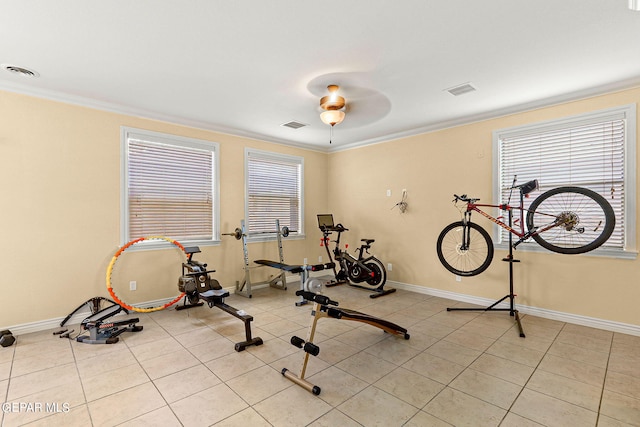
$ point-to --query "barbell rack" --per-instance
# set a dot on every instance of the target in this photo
(243, 288)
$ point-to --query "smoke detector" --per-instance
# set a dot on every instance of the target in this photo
(14, 69)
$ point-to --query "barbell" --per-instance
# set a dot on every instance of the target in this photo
(237, 233)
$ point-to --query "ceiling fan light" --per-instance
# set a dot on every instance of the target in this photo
(332, 117)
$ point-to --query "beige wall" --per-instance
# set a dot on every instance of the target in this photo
(434, 166)
(60, 212)
(60, 218)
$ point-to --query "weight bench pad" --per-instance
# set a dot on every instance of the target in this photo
(280, 266)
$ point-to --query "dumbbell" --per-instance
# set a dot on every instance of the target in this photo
(6, 338)
(309, 347)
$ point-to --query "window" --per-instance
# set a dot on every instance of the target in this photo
(273, 189)
(169, 187)
(595, 150)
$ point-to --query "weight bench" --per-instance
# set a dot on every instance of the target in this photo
(321, 308)
(303, 270)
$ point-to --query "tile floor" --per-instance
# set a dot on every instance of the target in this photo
(464, 368)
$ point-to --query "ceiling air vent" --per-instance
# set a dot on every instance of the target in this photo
(461, 89)
(20, 70)
(294, 124)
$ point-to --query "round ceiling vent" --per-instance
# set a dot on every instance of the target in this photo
(14, 69)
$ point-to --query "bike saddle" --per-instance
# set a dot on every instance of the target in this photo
(368, 241)
(528, 187)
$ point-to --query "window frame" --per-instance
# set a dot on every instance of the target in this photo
(628, 115)
(263, 235)
(171, 140)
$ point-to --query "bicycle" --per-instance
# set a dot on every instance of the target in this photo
(566, 220)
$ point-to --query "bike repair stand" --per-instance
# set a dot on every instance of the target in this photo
(512, 306)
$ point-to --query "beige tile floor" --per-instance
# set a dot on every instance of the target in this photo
(464, 368)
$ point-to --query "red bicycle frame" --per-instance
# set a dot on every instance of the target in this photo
(472, 206)
(522, 234)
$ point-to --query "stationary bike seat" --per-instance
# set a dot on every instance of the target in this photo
(368, 241)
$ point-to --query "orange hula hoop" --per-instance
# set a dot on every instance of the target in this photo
(113, 262)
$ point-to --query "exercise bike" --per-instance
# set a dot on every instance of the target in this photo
(367, 270)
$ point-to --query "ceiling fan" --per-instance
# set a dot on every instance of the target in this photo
(353, 94)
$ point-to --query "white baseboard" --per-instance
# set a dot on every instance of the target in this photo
(608, 325)
(43, 325)
(592, 322)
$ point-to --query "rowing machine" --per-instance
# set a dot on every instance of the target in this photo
(197, 284)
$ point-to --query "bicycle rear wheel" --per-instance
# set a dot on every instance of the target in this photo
(471, 261)
(571, 220)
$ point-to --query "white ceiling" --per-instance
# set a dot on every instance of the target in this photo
(245, 67)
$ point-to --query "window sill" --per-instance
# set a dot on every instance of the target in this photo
(607, 253)
(151, 245)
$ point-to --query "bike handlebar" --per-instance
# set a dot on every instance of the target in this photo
(199, 273)
(464, 198)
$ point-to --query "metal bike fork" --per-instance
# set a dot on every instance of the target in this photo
(466, 231)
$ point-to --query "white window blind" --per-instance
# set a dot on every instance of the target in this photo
(170, 187)
(274, 191)
(589, 151)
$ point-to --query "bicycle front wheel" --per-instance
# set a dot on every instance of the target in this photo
(379, 277)
(465, 260)
(571, 220)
